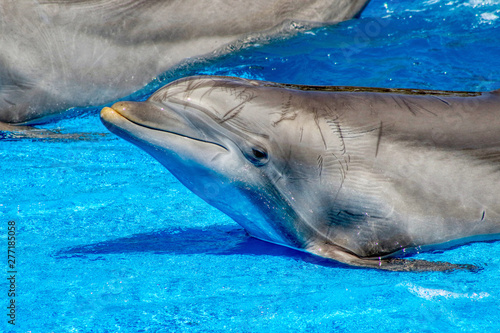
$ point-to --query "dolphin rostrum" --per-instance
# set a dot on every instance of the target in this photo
(358, 175)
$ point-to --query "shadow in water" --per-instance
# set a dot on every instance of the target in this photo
(217, 240)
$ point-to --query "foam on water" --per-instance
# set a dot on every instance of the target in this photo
(109, 241)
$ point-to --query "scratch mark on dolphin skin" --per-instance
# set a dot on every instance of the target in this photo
(442, 100)
(192, 86)
(316, 121)
(320, 165)
(379, 138)
(97, 56)
(21, 83)
(285, 106)
(9, 102)
(286, 167)
(286, 113)
(210, 90)
(482, 218)
(408, 106)
(246, 95)
(210, 115)
(342, 141)
(301, 133)
(338, 130)
(395, 99)
(189, 90)
(343, 172)
(421, 107)
(372, 109)
(348, 106)
(286, 116)
(412, 106)
(232, 112)
(216, 157)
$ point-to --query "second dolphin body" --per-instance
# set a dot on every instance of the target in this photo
(56, 55)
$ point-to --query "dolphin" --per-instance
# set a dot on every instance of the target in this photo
(358, 175)
(58, 54)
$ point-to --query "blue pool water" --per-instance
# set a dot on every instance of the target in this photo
(109, 241)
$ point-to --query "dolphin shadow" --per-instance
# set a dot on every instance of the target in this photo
(217, 240)
(16, 133)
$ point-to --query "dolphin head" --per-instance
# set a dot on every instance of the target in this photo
(242, 146)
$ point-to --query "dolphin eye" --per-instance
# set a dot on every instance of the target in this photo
(259, 153)
(258, 156)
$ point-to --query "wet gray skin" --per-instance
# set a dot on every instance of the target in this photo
(58, 54)
(357, 175)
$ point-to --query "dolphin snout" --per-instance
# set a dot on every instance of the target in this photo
(119, 109)
(125, 106)
(151, 115)
(108, 114)
(141, 113)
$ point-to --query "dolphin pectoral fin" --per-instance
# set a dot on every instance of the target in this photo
(413, 265)
(389, 264)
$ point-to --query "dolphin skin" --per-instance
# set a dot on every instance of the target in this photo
(358, 175)
(59, 54)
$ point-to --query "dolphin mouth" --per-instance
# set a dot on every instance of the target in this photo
(117, 121)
